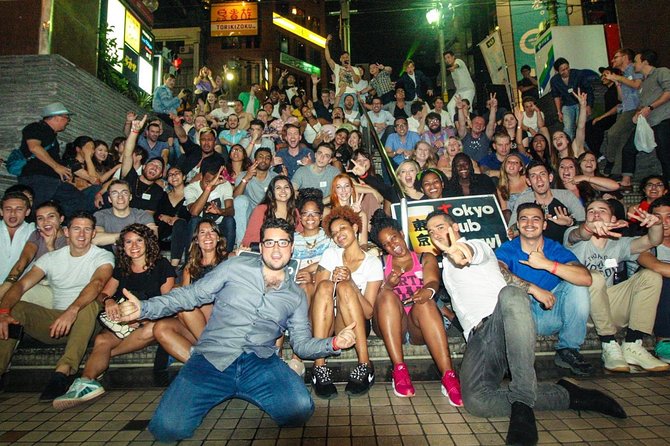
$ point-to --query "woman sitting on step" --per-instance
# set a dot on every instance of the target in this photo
(142, 270)
(405, 311)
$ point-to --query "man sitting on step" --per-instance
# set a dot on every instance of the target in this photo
(76, 273)
(631, 303)
(500, 333)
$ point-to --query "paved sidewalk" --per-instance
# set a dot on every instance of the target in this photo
(380, 418)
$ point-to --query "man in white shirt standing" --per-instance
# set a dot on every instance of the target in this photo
(14, 230)
(465, 88)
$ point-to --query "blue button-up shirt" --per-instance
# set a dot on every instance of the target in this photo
(630, 97)
(164, 101)
(579, 79)
(395, 142)
(246, 318)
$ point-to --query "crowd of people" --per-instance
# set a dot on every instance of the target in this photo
(235, 191)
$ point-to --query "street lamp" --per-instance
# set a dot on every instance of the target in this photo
(434, 18)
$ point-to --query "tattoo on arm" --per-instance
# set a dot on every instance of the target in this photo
(512, 279)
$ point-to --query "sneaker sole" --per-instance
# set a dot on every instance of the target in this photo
(564, 365)
(620, 369)
(660, 368)
(445, 393)
(364, 392)
(398, 394)
(74, 402)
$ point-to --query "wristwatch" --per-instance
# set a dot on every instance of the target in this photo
(651, 107)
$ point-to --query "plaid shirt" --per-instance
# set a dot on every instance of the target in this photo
(382, 83)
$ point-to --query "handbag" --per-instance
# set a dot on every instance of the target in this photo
(644, 136)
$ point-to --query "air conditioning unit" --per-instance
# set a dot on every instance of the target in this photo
(185, 49)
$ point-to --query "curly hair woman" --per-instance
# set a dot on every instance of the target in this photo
(405, 309)
(347, 283)
(141, 270)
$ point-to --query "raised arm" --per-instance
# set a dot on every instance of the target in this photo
(580, 134)
(136, 128)
(331, 62)
(493, 108)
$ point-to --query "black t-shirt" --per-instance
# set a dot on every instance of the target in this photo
(145, 196)
(42, 132)
(527, 83)
(555, 231)
(146, 284)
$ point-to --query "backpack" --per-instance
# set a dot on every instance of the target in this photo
(16, 160)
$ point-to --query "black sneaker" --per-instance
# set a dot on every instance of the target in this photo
(322, 382)
(361, 378)
(569, 358)
(57, 386)
(522, 427)
(590, 399)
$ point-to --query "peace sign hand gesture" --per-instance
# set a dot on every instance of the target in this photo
(358, 168)
(356, 206)
(459, 253)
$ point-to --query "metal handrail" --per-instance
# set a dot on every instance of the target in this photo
(386, 161)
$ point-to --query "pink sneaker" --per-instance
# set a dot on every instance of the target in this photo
(402, 383)
(451, 388)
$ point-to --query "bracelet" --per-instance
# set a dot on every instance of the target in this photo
(431, 289)
(4, 310)
(106, 299)
(245, 181)
(586, 228)
(364, 176)
(135, 131)
(554, 268)
(11, 279)
(335, 347)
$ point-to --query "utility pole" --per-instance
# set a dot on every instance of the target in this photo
(552, 9)
(345, 26)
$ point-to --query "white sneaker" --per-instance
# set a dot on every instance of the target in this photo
(636, 354)
(613, 359)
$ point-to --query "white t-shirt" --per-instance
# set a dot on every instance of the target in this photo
(447, 121)
(531, 122)
(370, 269)
(68, 275)
(474, 289)
(352, 116)
(663, 253)
(344, 80)
(461, 77)
(413, 124)
(11, 248)
(223, 192)
(221, 115)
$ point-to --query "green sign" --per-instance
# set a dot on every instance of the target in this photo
(298, 64)
(526, 20)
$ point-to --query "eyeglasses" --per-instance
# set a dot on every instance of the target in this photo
(270, 243)
(174, 174)
(310, 214)
(123, 193)
(655, 185)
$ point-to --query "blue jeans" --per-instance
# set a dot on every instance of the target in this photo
(243, 208)
(570, 115)
(267, 383)
(47, 188)
(506, 342)
(568, 317)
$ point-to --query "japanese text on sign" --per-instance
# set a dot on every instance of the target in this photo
(234, 19)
